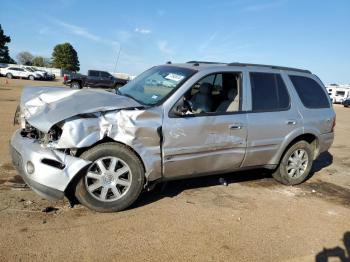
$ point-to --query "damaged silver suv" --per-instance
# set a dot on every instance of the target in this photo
(173, 121)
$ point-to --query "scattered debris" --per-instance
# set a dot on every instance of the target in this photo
(189, 202)
(222, 181)
(49, 209)
(313, 191)
(19, 186)
(44, 221)
(238, 219)
(21, 200)
(27, 203)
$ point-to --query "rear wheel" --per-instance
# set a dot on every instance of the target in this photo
(9, 75)
(295, 165)
(31, 77)
(113, 181)
(75, 85)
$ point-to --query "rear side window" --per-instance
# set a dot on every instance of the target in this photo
(269, 93)
(94, 73)
(105, 74)
(310, 92)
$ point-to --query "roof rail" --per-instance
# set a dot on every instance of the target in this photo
(271, 66)
(203, 62)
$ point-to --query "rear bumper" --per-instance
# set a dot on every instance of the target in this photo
(326, 141)
(53, 170)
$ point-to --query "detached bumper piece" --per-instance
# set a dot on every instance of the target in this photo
(47, 171)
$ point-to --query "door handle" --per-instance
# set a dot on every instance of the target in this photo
(291, 122)
(236, 126)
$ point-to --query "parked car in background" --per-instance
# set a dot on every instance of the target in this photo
(2, 70)
(340, 95)
(43, 75)
(346, 102)
(213, 120)
(18, 72)
(48, 75)
(94, 79)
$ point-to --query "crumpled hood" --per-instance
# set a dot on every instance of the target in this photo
(43, 107)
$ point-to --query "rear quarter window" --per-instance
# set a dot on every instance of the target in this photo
(310, 92)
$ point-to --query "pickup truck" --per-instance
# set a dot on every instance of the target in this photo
(95, 78)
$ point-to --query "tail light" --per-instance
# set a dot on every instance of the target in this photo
(65, 77)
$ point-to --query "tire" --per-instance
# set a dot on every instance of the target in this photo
(9, 76)
(32, 78)
(290, 178)
(75, 85)
(108, 181)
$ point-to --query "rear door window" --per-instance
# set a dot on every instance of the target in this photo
(94, 73)
(310, 92)
(269, 93)
(105, 75)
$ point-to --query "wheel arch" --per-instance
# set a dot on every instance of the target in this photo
(309, 137)
(69, 191)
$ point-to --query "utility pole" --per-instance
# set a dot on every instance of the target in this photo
(116, 63)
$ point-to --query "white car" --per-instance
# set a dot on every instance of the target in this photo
(17, 72)
(42, 74)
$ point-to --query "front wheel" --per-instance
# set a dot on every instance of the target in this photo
(295, 164)
(31, 77)
(113, 181)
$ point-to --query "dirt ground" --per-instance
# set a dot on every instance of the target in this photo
(251, 219)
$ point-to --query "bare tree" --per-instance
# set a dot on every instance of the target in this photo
(25, 58)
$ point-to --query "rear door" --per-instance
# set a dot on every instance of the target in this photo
(93, 78)
(272, 119)
(106, 80)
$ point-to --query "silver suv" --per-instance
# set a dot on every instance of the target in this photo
(173, 121)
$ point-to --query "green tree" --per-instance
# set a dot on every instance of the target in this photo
(25, 58)
(38, 61)
(64, 56)
(4, 50)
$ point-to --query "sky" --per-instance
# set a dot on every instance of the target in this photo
(309, 34)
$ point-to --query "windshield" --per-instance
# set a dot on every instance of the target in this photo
(29, 69)
(153, 85)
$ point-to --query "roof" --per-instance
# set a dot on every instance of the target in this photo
(206, 64)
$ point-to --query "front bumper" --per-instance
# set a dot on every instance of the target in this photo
(53, 170)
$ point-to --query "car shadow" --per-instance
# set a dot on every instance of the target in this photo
(329, 254)
(325, 159)
(175, 187)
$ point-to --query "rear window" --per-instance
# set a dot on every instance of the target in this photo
(269, 93)
(310, 92)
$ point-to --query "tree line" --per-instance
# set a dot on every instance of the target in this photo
(64, 56)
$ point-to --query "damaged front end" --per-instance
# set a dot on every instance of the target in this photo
(57, 124)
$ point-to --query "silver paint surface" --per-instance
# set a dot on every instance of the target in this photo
(169, 147)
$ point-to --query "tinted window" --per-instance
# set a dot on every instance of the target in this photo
(269, 93)
(310, 92)
(94, 73)
(105, 74)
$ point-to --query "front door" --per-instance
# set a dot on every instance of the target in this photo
(211, 136)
